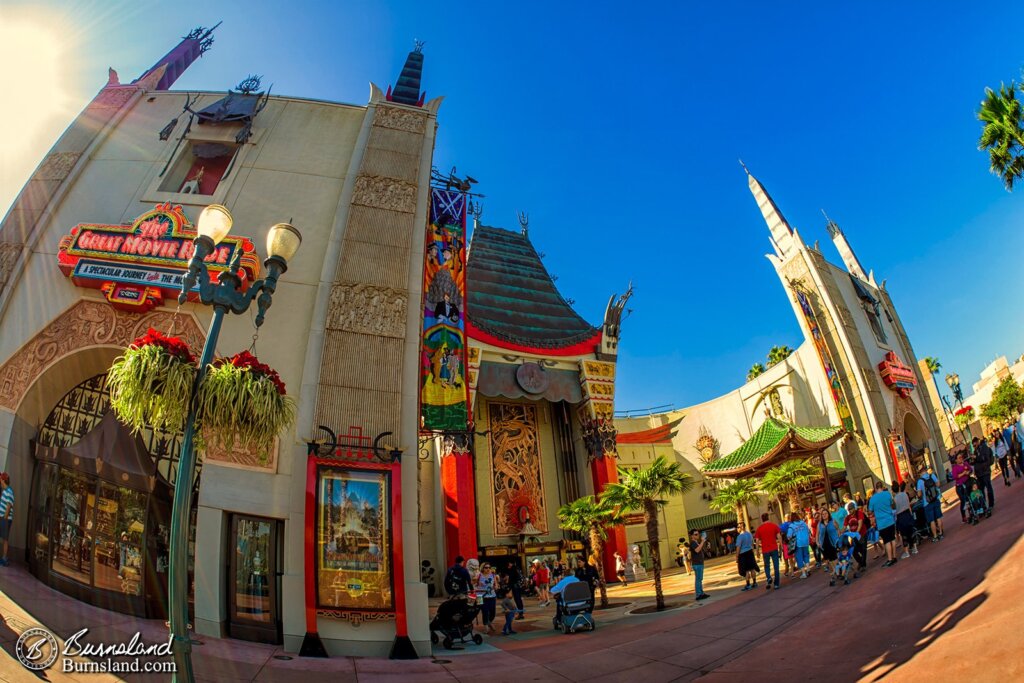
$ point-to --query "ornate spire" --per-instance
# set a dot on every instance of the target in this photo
(846, 252)
(781, 233)
(407, 89)
(191, 48)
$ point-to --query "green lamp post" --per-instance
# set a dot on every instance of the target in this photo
(213, 225)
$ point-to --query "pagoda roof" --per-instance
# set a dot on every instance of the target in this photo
(513, 303)
(774, 442)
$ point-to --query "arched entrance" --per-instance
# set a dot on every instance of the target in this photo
(99, 506)
(915, 438)
(909, 441)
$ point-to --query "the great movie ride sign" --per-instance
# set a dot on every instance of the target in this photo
(137, 266)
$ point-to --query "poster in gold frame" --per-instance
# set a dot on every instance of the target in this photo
(353, 553)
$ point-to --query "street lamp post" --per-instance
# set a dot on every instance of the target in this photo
(213, 225)
(953, 380)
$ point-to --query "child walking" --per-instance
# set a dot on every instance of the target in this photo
(508, 606)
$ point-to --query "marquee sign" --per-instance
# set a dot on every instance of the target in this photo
(136, 266)
(896, 375)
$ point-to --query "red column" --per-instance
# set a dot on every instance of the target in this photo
(459, 506)
(605, 471)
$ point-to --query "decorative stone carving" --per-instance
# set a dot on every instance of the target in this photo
(113, 97)
(368, 309)
(239, 457)
(385, 193)
(400, 119)
(9, 252)
(87, 323)
(57, 166)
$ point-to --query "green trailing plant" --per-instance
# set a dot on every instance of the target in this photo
(151, 381)
(243, 403)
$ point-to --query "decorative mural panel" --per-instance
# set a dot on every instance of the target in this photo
(443, 388)
(826, 360)
(518, 490)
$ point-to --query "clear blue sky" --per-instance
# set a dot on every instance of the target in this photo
(618, 128)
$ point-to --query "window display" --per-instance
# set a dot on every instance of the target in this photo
(353, 557)
(252, 560)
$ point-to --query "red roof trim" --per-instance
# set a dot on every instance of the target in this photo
(580, 349)
(659, 434)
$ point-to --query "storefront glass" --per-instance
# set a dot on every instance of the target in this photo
(252, 558)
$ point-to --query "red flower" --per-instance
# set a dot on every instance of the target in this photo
(964, 411)
(247, 361)
(174, 346)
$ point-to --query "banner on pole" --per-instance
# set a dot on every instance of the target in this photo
(443, 386)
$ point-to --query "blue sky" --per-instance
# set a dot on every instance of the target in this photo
(618, 128)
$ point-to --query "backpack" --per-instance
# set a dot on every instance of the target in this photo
(931, 490)
(454, 582)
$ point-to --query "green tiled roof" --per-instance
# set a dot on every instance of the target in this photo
(710, 521)
(512, 296)
(770, 439)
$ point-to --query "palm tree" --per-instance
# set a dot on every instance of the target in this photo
(755, 370)
(933, 364)
(1003, 133)
(592, 516)
(645, 489)
(787, 479)
(778, 354)
(735, 497)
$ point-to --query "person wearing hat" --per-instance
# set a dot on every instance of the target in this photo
(6, 513)
(543, 578)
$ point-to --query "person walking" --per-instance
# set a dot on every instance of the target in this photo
(769, 537)
(620, 569)
(509, 609)
(746, 563)
(800, 533)
(542, 577)
(961, 476)
(904, 519)
(1002, 453)
(881, 508)
(457, 580)
(515, 585)
(698, 544)
(6, 514)
(828, 542)
(486, 587)
(931, 497)
(788, 548)
(983, 469)
(857, 523)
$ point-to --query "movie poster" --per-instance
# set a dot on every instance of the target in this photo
(353, 558)
(826, 361)
(443, 387)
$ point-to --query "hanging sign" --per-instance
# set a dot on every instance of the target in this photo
(896, 375)
(443, 387)
(137, 266)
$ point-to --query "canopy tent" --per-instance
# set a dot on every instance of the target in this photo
(773, 443)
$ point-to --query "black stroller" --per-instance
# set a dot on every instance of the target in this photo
(454, 619)
(574, 608)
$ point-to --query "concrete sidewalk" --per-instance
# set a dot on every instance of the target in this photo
(900, 622)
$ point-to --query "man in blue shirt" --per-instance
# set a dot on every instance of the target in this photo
(881, 507)
(6, 513)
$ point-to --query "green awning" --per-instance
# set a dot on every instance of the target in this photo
(774, 442)
(710, 521)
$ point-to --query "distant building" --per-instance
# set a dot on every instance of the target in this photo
(855, 370)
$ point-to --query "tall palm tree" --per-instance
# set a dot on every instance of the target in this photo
(592, 516)
(933, 364)
(735, 497)
(1003, 132)
(646, 489)
(755, 370)
(778, 354)
(787, 479)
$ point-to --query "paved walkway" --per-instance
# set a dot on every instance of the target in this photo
(952, 611)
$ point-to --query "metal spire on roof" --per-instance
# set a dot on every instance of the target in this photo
(191, 48)
(407, 89)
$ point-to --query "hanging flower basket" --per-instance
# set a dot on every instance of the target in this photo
(150, 382)
(243, 403)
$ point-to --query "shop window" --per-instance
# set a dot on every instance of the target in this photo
(199, 168)
(42, 512)
(72, 556)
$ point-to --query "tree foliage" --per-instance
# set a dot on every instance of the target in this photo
(777, 354)
(1007, 401)
(593, 517)
(645, 490)
(756, 370)
(735, 497)
(1002, 134)
(933, 364)
(787, 479)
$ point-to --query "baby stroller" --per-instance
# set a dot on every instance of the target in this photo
(454, 619)
(976, 505)
(574, 608)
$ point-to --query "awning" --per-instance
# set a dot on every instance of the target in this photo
(773, 443)
(710, 521)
